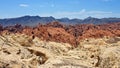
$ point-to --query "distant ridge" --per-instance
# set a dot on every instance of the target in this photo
(34, 20)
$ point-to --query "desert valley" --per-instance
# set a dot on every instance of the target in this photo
(56, 45)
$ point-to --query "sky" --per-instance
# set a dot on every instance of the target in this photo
(60, 8)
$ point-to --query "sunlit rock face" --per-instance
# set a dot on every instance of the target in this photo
(55, 45)
(62, 33)
(24, 51)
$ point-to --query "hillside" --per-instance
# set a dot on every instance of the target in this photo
(34, 20)
(55, 45)
(22, 51)
(72, 34)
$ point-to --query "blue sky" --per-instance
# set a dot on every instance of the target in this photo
(60, 8)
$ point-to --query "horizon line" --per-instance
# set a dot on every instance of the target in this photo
(55, 17)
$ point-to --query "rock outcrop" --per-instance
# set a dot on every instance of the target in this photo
(22, 51)
(71, 34)
(55, 45)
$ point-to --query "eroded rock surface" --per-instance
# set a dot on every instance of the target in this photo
(55, 45)
(61, 33)
(22, 51)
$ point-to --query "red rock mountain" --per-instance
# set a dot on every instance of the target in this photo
(65, 33)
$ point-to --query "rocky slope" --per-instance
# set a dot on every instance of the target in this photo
(22, 51)
(71, 34)
(55, 45)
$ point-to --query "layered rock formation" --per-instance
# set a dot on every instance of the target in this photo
(71, 34)
(55, 45)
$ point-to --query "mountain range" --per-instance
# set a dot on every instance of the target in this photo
(34, 20)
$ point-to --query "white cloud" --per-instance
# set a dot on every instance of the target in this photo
(52, 5)
(23, 5)
(98, 12)
(83, 11)
(81, 14)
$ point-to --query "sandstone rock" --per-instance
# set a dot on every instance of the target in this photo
(90, 53)
(71, 34)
